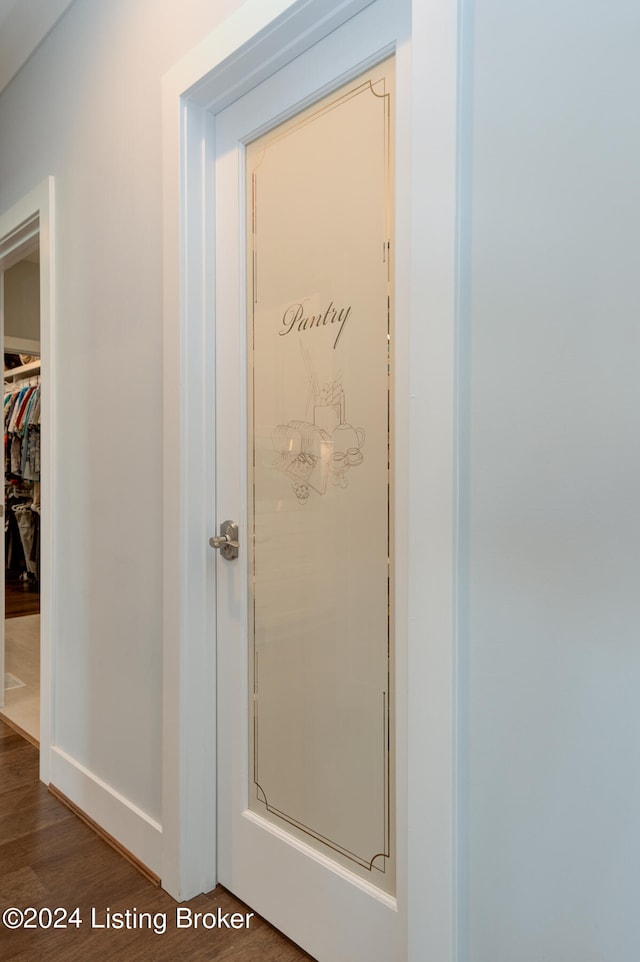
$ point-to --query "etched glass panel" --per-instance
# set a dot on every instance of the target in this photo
(319, 275)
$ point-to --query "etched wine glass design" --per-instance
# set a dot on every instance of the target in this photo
(311, 453)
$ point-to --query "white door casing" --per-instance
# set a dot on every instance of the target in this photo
(247, 48)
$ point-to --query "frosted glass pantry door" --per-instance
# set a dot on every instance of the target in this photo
(304, 323)
(318, 196)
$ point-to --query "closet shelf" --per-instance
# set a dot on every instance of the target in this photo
(25, 370)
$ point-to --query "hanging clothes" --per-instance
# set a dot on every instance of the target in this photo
(22, 405)
(22, 432)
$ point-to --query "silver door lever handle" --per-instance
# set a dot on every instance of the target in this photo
(227, 541)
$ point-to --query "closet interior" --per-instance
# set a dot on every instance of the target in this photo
(22, 510)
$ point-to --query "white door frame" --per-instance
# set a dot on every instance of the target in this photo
(259, 38)
(31, 218)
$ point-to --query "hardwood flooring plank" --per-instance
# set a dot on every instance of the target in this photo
(18, 767)
(93, 871)
(44, 846)
(9, 742)
(10, 739)
(29, 819)
(22, 888)
(29, 796)
(5, 731)
(268, 946)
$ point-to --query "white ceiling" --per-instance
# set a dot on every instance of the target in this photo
(23, 26)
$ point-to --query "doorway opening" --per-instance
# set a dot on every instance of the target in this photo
(26, 242)
(22, 502)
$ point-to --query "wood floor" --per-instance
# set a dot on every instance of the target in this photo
(20, 598)
(50, 859)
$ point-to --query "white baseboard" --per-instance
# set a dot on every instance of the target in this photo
(120, 818)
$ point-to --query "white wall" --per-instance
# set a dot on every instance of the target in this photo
(87, 109)
(22, 301)
(553, 735)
